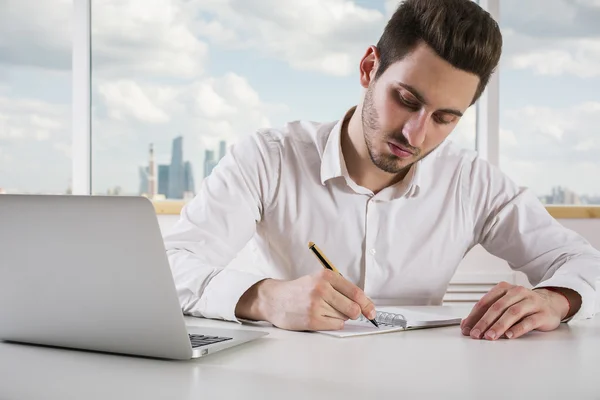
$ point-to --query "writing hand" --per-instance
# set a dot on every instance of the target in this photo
(321, 301)
(513, 311)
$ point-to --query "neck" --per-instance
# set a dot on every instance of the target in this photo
(360, 167)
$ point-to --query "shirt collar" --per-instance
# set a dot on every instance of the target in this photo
(332, 162)
(334, 166)
(415, 183)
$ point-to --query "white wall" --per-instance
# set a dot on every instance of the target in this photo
(479, 266)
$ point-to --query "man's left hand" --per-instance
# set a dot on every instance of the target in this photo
(513, 311)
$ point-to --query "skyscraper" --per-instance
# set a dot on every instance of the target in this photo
(222, 149)
(188, 174)
(173, 181)
(143, 171)
(163, 180)
(176, 172)
(152, 187)
(209, 162)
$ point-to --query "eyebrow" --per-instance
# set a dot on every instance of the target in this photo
(422, 100)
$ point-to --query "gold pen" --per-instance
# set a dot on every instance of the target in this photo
(327, 264)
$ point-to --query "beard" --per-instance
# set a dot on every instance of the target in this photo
(372, 133)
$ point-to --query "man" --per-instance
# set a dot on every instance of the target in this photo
(392, 203)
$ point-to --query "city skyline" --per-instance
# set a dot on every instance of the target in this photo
(193, 71)
(175, 180)
(167, 181)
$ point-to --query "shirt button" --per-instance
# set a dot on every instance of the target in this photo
(372, 251)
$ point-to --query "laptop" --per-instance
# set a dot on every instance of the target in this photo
(91, 273)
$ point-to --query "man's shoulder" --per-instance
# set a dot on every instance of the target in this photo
(468, 166)
(457, 160)
(303, 133)
(451, 156)
(450, 150)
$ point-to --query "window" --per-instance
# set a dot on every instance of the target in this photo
(549, 102)
(175, 83)
(35, 96)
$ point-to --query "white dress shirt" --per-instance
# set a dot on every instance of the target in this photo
(278, 189)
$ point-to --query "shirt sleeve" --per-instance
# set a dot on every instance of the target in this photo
(217, 224)
(512, 223)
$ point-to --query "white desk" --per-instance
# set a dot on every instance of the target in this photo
(425, 364)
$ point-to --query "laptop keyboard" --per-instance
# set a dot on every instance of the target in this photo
(201, 340)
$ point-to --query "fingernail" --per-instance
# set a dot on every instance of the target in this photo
(466, 331)
(509, 334)
(491, 334)
(372, 314)
(475, 333)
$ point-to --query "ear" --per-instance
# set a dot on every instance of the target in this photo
(368, 66)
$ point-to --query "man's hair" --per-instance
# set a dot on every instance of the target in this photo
(459, 31)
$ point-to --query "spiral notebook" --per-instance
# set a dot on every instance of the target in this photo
(392, 319)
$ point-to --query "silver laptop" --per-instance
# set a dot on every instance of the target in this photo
(91, 272)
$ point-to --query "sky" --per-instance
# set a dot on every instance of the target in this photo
(211, 70)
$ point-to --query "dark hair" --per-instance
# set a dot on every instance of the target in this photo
(459, 31)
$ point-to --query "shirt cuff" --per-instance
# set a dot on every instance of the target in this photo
(224, 291)
(582, 287)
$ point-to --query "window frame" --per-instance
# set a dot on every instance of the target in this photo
(81, 156)
(487, 130)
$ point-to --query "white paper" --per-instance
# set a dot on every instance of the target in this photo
(358, 328)
(415, 319)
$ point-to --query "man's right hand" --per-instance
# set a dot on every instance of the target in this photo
(321, 301)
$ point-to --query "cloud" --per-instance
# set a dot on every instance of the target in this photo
(36, 33)
(545, 147)
(553, 57)
(204, 112)
(555, 128)
(391, 6)
(327, 36)
(35, 137)
(125, 99)
(32, 119)
(556, 19)
(226, 98)
(150, 37)
(218, 33)
(552, 37)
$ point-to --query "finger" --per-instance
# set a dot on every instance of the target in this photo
(329, 311)
(528, 324)
(342, 304)
(481, 307)
(355, 294)
(495, 311)
(510, 317)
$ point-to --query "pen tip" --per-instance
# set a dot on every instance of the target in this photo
(310, 244)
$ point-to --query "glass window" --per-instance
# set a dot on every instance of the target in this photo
(549, 102)
(175, 83)
(35, 96)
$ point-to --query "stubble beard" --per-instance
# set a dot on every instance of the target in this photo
(387, 162)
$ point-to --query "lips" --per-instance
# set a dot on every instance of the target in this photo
(399, 151)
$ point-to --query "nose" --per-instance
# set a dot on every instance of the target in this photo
(415, 129)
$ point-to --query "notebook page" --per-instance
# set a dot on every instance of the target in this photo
(358, 328)
(416, 319)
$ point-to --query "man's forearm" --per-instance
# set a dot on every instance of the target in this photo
(253, 303)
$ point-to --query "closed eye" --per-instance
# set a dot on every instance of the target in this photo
(410, 104)
(444, 118)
